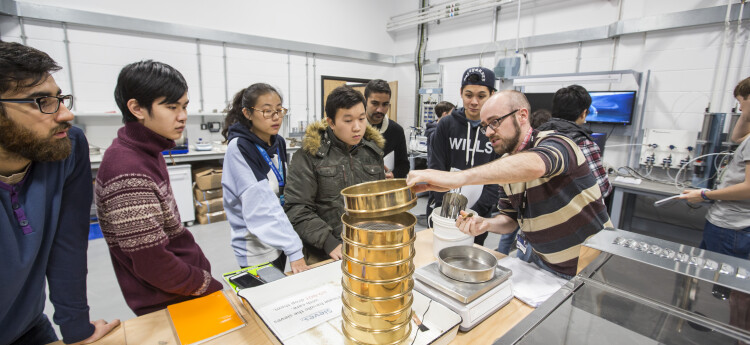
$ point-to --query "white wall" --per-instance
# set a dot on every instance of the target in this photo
(97, 56)
(339, 23)
(683, 62)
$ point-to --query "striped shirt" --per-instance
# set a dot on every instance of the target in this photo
(561, 209)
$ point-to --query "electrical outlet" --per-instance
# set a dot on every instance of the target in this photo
(204, 126)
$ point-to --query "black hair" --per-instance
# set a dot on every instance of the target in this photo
(23, 67)
(569, 102)
(145, 81)
(442, 107)
(342, 97)
(377, 86)
(539, 117)
(245, 98)
(742, 88)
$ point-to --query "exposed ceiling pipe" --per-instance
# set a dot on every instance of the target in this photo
(740, 36)
(518, 26)
(494, 24)
(418, 63)
(307, 90)
(446, 10)
(720, 59)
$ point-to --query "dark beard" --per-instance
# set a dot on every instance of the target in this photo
(22, 142)
(382, 118)
(506, 146)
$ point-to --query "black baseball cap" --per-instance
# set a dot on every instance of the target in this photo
(485, 77)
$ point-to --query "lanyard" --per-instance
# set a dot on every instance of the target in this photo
(279, 174)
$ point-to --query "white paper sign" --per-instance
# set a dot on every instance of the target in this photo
(300, 312)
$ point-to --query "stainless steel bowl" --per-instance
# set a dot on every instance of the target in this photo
(378, 198)
(467, 264)
(388, 230)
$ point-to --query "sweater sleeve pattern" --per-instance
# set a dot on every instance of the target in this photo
(132, 212)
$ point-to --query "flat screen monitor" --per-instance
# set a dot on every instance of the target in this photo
(540, 101)
(615, 107)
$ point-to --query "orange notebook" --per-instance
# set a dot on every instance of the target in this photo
(202, 319)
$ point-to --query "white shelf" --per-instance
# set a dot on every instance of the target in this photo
(119, 116)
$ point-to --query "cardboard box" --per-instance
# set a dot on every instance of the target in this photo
(209, 218)
(207, 178)
(203, 195)
(209, 206)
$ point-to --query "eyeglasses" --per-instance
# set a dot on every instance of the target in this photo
(494, 124)
(46, 104)
(268, 113)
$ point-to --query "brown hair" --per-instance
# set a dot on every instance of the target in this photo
(743, 88)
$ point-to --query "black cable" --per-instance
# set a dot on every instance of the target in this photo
(610, 133)
(422, 319)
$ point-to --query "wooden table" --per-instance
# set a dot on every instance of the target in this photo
(155, 328)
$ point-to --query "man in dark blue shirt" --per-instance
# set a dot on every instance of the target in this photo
(45, 197)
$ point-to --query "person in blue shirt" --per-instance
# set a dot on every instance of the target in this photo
(45, 198)
(254, 177)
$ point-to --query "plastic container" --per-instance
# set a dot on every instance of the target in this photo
(439, 242)
(444, 226)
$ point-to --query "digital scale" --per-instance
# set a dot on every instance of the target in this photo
(474, 302)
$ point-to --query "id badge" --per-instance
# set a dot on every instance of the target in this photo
(521, 243)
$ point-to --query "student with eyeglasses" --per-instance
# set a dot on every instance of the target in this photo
(254, 178)
(546, 185)
(45, 199)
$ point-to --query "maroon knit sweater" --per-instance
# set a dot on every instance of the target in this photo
(155, 258)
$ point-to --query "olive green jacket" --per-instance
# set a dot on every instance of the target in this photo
(317, 174)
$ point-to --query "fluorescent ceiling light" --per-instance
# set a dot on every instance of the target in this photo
(567, 79)
(441, 11)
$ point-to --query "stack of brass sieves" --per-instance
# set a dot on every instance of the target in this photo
(378, 250)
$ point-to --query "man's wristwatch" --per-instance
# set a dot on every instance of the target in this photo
(703, 194)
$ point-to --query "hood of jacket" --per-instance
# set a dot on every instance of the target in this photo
(430, 128)
(459, 116)
(569, 128)
(317, 131)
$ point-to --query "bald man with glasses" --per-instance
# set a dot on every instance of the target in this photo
(546, 185)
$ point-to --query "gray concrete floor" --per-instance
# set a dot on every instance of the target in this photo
(104, 295)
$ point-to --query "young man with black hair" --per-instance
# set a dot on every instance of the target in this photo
(155, 258)
(45, 195)
(377, 103)
(337, 152)
(570, 106)
(458, 145)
